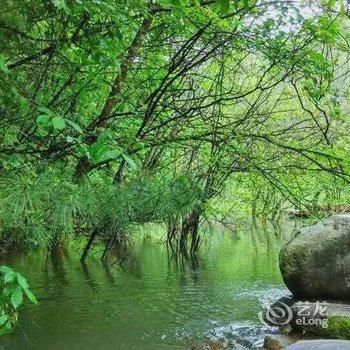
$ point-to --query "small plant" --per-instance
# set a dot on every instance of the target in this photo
(13, 287)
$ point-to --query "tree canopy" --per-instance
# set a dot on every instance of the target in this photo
(121, 112)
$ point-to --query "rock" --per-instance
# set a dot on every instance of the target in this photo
(320, 344)
(277, 342)
(323, 319)
(219, 344)
(316, 262)
(216, 344)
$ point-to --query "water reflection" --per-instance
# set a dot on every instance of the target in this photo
(149, 301)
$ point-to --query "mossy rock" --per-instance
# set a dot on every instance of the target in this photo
(326, 319)
(337, 327)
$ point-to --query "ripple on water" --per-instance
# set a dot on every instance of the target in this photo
(262, 293)
(249, 333)
(245, 333)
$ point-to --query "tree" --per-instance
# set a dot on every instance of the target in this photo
(106, 98)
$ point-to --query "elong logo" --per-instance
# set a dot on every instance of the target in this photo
(302, 313)
(280, 315)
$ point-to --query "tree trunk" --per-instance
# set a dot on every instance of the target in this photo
(100, 122)
(190, 227)
(88, 245)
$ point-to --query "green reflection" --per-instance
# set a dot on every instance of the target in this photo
(148, 302)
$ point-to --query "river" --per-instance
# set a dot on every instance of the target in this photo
(149, 302)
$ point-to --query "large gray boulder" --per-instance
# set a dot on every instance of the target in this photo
(316, 262)
(320, 344)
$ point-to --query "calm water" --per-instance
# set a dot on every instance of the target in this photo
(149, 302)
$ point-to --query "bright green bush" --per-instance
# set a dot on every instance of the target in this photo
(13, 287)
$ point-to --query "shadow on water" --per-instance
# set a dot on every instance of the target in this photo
(150, 300)
(56, 262)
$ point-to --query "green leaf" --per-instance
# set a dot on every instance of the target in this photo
(7, 328)
(22, 281)
(31, 296)
(97, 152)
(58, 123)
(61, 5)
(9, 277)
(224, 5)
(11, 135)
(44, 110)
(111, 154)
(5, 269)
(8, 290)
(3, 66)
(3, 319)
(83, 150)
(42, 119)
(17, 297)
(328, 3)
(74, 125)
(130, 161)
(69, 139)
(342, 10)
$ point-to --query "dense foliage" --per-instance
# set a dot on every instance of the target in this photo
(124, 112)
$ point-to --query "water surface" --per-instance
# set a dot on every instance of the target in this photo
(148, 302)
